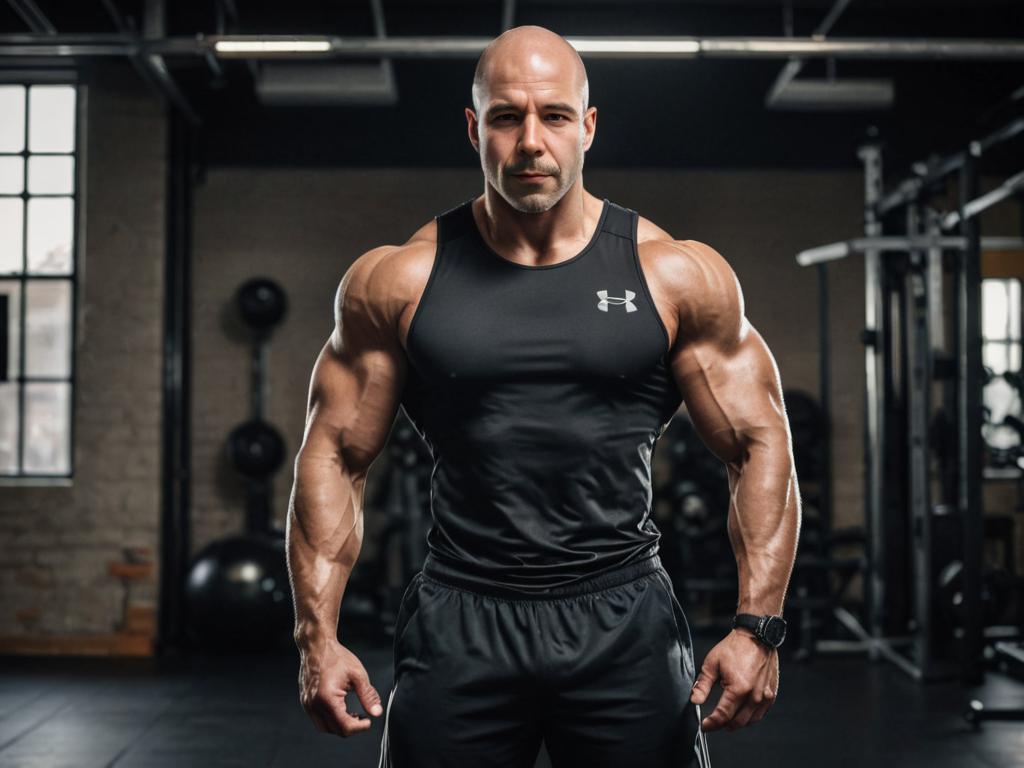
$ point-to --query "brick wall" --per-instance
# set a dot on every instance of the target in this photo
(57, 542)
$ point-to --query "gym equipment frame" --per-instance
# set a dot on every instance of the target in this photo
(906, 351)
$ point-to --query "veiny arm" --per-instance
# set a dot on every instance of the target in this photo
(731, 387)
(733, 394)
(353, 398)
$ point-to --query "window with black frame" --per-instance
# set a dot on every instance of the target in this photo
(1001, 344)
(38, 206)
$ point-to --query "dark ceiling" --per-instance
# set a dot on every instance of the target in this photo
(680, 113)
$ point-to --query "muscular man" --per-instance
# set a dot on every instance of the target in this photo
(540, 339)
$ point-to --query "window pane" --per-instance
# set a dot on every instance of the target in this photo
(993, 309)
(995, 356)
(49, 235)
(48, 328)
(11, 235)
(1000, 308)
(50, 175)
(12, 175)
(1013, 305)
(47, 418)
(12, 118)
(51, 118)
(8, 427)
(10, 294)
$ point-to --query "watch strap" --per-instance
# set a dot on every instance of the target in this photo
(755, 624)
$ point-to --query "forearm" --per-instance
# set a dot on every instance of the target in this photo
(764, 524)
(325, 534)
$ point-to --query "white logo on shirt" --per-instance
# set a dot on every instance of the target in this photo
(605, 300)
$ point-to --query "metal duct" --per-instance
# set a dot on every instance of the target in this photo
(977, 49)
(810, 94)
(290, 83)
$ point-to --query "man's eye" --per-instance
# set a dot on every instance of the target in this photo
(559, 116)
(501, 117)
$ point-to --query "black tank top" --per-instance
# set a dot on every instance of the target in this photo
(541, 392)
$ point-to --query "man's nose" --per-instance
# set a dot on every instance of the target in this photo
(530, 138)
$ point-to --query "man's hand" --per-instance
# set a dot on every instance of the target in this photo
(749, 672)
(328, 670)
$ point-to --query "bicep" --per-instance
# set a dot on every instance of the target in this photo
(356, 386)
(732, 392)
(722, 366)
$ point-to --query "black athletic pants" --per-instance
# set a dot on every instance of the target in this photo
(601, 671)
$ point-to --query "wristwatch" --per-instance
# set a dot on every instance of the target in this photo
(770, 630)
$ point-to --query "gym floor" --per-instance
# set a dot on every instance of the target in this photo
(238, 711)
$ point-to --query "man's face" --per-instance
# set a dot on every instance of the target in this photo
(530, 127)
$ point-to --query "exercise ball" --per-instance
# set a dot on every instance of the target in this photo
(261, 302)
(238, 597)
(255, 448)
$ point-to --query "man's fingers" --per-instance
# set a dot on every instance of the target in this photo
(318, 721)
(705, 682)
(745, 713)
(338, 719)
(752, 711)
(310, 706)
(367, 694)
(764, 706)
(760, 712)
(727, 707)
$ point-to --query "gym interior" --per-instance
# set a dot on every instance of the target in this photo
(182, 187)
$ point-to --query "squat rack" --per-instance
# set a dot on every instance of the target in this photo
(905, 352)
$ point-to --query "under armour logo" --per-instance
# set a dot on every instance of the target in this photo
(605, 300)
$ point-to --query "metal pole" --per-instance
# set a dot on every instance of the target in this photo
(427, 47)
(969, 426)
(936, 170)
(874, 401)
(31, 14)
(177, 378)
(979, 205)
(844, 248)
(919, 367)
(794, 65)
(825, 387)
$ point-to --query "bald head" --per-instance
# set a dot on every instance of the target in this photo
(529, 54)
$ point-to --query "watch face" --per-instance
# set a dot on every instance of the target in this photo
(775, 631)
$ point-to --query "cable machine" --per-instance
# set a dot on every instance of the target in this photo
(922, 346)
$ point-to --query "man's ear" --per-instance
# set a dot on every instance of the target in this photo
(472, 129)
(589, 127)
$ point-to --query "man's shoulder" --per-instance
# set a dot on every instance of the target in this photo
(388, 272)
(409, 264)
(678, 263)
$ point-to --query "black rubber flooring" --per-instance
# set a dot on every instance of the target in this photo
(243, 711)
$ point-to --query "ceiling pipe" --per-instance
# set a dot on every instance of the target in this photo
(319, 47)
(793, 66)
(788, 92)
(151, 67)
(33, 16)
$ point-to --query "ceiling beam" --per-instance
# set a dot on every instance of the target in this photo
(317, 47)
(33, 16)
(150, 66)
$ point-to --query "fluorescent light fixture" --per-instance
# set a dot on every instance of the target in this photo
(685, 47)
(272, 46)
(818, 94)
(304, 82)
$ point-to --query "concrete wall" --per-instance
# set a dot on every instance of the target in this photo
(56, 542)
(304, 228)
